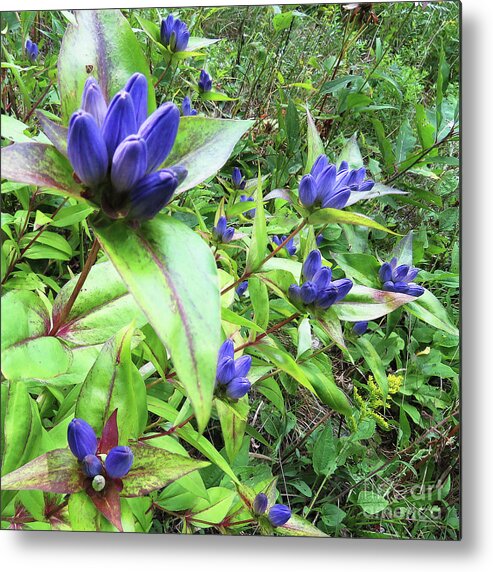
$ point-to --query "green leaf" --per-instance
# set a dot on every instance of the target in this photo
(259, 297)
(378, 190)
(104, 41)
(322, 380)
(40, 165)
(331, 216)
(214, 509)
(232, 428)
(215, 95)
(282, 21)
(430, 310)
(153, 468)
(173, 276)
(114, 382)
(405, 143)
(57, 471)
(292, 127)
(426, 131)
(325, 452)
(56, 133)
(231, 317)
(258, 244)
(298, 526)
(362, 268)
(374, 362)
(364, 304)
(351, 153)
(203, 145)
(315, 144)
(384, 145)
(371, 503)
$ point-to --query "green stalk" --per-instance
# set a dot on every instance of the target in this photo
(20, 83)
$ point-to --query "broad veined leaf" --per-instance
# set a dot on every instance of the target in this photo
(429, 309)
(101, 44)
(374, 362)
(331, 216)
(172, 274)
(232, 427)
(57, 471)
(351, 153)
(101, 309)
(203, 145)
(364, 303)
(363, 268)
(298, 526)
(55, 132)
(214, 509)
(154, 468)
(315, 144)
(41, 165)
(378, 190)
(258, 243)
(114, 382)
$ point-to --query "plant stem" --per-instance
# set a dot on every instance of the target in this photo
(277, 326)
(91, 259)
(169, 431)
(163, 73)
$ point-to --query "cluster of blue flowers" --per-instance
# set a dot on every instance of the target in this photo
(278, 514)
(289, 246)
(238, 179)
(327, 186)
(231, 374)
(174, 34)
(205, 82)
(116, 149)
(186, 107)
(360, 328)
(221, 232)
(32, 50)
(400, 278)
(83, 443)
(318, 292)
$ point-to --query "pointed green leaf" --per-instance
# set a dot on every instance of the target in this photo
(55, 132)
(315, 144)
(298, 526)
(258, 244)
(374, 362)
(232, 428)
(351, 153)
(364, 303)
(331, 216)
(173, 276)
(429, 309)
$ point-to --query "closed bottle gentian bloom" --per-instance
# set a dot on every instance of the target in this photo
(279, 514)
(242, 288)
(319, 239)
(174, 34)
(92, 466)
(186, 107)
(116, 150)
(221, 232)
(399, 278)
(328, 186)
(81, 438)
(260, 503)
(32, 50)
(205, 82)
(318, 291)
(360, 328)
(119, 461)
(289, 246)
(245, 199)
(238, 179)
(231, 373)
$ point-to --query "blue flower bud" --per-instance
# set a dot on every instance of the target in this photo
(159, 132)
(400, 287)
(118, 462)
(227, 349)
(308, 191)
(242, 288)
(337, 200)
(32, 50)
(326, 182)
(228, 234)
(279, 514)
(166, 29)
(319, 239)
(86, 149)
(180, 173)
(385, 272)
(242, 366)
(360, 328)
(129, 163)
(344, 166)
(294, 294)
(322, 277)
(415, 290)
(225, 370)
(411, 275)
(343, 286)
(400, 273)
(178, 40)
(388, 286)
(238, 387)
(222, 232)
(237, 178)
(260, 503)
(326, 297)
(81, 438)
(93, 101)
(309, 292)
(151, 194)
(289, 246)
(119, 122)
(186, 107)
(205, 82)
(276, 240)
(91, 466)
(321, 163)
(312, 264)
(137, 88)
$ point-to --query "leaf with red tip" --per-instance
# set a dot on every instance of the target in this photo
(108, 503)
(57, 471)
(109, 437)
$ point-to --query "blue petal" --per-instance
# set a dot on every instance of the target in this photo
(93, 101)
(309, 293)
(308, 191)
(400, 273)
(279, 514)
(119, 122)
(385, 272)
(337, 200)
(159, 131)
(360, 328)
(137, 88)
(294, 294)
(81, 438)
(326, 297)
(118, 462)
(322, 277)
(227, 349)
(415, 290)
(343, 286)
(225, 370)
(321, 163)
(238, 387)
(129, 163)
(312, 264)
(152, 193)
(242, 366)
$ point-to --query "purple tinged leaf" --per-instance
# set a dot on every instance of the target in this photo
(109, 435)
(159, 132)
(56, 133)
(108, 503)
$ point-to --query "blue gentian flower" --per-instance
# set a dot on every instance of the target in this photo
(232, 374)
(174, 34)
(81, 438)
(328, 186)
(221, 232)
(245, 199)
(318, 291)
(32, 50)
(242, 288)
(117, 150)
(319, 239)
(260, 503)
(360, 328)
(92, 466)
(289, 246)
(400, 278)
(118, 462)
(186, 107)
(238, 179)
(279, 514)
(205, 82)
